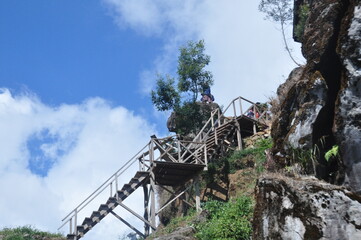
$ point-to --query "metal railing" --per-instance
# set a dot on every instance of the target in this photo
(231, 112)
(168, 149)
(111, 183)
(157, 149)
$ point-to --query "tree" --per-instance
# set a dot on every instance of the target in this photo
(180, 96)
(279, 11)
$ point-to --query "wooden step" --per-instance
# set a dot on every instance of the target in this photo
(87, 223)
(95, 217)
(111, 203)
(71, 237)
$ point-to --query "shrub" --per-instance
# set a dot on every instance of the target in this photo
(228, 221)
(257, 154)
(303, 13)
(26, 233)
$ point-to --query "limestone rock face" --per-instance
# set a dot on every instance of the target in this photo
(321, 105)
(348, 109)
(305, 209)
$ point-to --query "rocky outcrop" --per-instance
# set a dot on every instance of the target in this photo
(305, 208)
(321, 105)
(348, 108)
(182, 233)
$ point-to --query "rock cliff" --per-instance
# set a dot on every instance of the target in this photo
(321, 102)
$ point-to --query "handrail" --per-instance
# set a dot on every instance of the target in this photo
(100, 189)
(216, 113)
(152, 145)
(164, 145)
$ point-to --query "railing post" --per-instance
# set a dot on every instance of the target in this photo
(212, 121)
(116, 187)
(71, 225)
(76, 221)
(240, 106)
(234, 110)
(111, 188)
(179, 151)
(143, 159)
(219, 117)
(151, 153)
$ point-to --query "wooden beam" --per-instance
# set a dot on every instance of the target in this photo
(164, 206)
(128, 224)
(136, 214)
(174, 194)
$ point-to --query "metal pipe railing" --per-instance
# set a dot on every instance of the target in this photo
(180, 148)
(108, 183)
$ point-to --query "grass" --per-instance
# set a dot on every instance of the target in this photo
(27, 233)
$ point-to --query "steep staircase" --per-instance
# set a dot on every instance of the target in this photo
(138, 180)
(170, 162)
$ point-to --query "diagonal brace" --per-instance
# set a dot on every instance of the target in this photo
(136, 215)
(128, 224)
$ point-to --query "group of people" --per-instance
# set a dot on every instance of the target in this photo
(255, 112)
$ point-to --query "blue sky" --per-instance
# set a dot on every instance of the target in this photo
(75, 77)
(67, 51)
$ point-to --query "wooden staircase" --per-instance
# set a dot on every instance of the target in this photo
(138, 180)
(169, 162)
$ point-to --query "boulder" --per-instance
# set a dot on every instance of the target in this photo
(305, 208)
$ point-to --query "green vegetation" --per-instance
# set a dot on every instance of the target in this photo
(180, 96)
(228, 220)
(27, 233)
(303, 13)
(333, 152)
(257, 154)
(240, 159)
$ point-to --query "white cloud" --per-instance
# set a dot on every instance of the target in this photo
(247, 53)
(102, 137)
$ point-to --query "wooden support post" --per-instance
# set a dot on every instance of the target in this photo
(239, 137)
(205, 157)
(152, 199)
(146, 210)
(197, 192)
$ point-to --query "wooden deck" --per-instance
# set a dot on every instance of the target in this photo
(173, 174)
